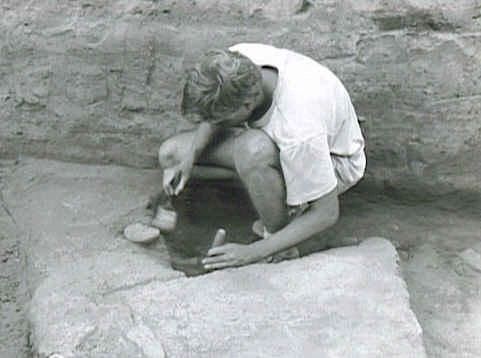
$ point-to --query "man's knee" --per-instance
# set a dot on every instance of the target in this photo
(171, 150)
(255, 150)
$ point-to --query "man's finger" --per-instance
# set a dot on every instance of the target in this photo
(168, 189)
(181, 185)
(218, 250)
(167, 180)
(213, 259)
(219, 265)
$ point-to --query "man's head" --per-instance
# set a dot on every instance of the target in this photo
(223, 88)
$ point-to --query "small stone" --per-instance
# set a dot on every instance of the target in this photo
(141, 233)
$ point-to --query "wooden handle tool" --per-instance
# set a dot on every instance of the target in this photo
(219, 238)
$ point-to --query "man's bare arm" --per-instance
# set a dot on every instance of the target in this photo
(182, 171)
(203, 135)
(322, 214)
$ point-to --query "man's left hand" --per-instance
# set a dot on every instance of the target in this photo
(230, 255)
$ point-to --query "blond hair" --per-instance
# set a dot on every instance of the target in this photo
(218, 85)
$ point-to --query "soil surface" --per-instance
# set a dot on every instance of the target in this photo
(439, 243)
(438, 239)
(13, 295)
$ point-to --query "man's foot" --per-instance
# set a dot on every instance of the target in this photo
(292, 253)
(342, 241)
(289, 254)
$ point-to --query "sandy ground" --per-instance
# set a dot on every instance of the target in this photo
(439, 243)
(13, 327)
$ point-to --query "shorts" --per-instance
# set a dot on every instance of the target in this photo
(348, 170)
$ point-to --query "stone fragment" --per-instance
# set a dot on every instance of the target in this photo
(348, 302)
(73, 312)
(141, 233)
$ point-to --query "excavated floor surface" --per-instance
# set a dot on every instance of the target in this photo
(438, 242)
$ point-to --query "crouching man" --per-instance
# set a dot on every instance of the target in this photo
(285, 125)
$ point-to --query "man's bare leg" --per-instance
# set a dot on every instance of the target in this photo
(257, 164)
(239, 153)
(216, 162)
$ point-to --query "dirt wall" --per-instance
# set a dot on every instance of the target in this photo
(98, 81)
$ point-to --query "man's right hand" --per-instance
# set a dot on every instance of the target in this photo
(175, 178)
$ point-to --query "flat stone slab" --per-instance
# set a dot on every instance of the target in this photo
(348, 302)
(96, 295)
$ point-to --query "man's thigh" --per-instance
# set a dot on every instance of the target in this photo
(232, 144)
(254, 149)
(227, 148)
(218, 153)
